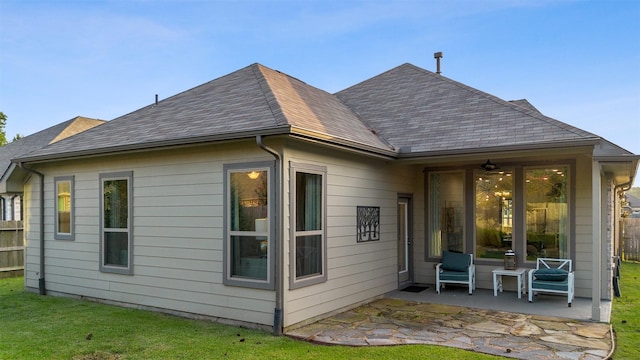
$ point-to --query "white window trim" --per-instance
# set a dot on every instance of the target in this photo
(295, 282)
(228, 279)
(71, 234)
(125, 175)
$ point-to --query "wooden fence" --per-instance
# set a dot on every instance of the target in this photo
(11, 249)
(631, 239)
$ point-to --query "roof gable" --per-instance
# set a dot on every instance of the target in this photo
(35, 142)
(422, 112)
(41, 139)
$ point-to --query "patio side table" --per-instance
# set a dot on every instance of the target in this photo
(498, 273)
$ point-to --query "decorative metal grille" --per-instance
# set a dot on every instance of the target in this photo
(368, 223)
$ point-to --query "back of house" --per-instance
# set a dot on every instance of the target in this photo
(257, 199)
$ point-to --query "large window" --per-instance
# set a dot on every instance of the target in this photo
(494, 213)
(446, 212)
(249, 246)
(308, 247)
(64, 208)
(524, 208)
(547, 218)
(116, 222)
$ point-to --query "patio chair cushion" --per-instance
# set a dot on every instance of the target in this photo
(455, 261)
(553, 285)
(551, 274)
(454, 276)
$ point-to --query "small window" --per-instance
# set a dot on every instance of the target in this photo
(308, 246)
(116, 222)
(64, 207)
(248, 225)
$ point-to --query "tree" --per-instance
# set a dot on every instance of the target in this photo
(3, 123)
(3, 135)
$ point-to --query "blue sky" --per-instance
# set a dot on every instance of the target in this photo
(576, 61)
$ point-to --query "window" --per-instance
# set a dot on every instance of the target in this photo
(64, 207)
(248, 225)
(116, 222)
(446, 212)
(525, 208)
(308, 246)
(547, 218)
(494, 213)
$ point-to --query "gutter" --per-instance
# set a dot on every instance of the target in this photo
(152, 145)
(278, 257)
(41, 283)
(407, 154)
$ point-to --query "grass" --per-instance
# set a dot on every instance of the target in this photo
(625, 315)
(47, 327)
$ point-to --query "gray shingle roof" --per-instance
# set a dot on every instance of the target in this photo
(413, 107)
(41, 139)
(525, 104)
(249, 101)
(407, 111)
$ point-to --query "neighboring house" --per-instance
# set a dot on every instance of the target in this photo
(258, 199)
(632, 206)
(11, 194)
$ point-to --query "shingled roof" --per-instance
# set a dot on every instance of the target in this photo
(404, 112)
(423, 112)
(41, 139)
(251, 101)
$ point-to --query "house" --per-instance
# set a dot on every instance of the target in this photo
(632, 205)
(258, 199)
(10, 193)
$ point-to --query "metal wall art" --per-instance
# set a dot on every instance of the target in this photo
(368, 223)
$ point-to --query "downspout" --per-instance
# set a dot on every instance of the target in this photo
(624, 187)
(278, 257)
(617, 258)
(41, 284)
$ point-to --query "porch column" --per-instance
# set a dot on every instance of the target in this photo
(596, 231)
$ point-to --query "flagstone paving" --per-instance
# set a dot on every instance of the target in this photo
(520, 336)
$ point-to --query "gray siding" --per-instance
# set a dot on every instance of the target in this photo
(178, 235)
(357, 272)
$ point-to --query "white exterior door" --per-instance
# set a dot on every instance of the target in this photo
(404, 241)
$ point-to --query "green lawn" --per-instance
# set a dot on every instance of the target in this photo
(625, 315)
(47, 327)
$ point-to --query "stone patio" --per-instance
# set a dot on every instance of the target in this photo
(522, 336)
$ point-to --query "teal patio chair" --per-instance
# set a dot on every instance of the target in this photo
(456, 268)
(552, 276)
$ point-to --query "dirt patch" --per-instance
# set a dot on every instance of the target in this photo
(98, 356)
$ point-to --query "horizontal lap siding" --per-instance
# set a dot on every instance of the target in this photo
(177, 235)
(356, 272)
(584, 225)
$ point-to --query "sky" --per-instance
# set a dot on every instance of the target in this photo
(576, 61)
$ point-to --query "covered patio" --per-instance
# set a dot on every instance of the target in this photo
(543, 304)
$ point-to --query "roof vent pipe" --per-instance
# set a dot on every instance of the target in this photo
(156, 99)
(438, 56)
